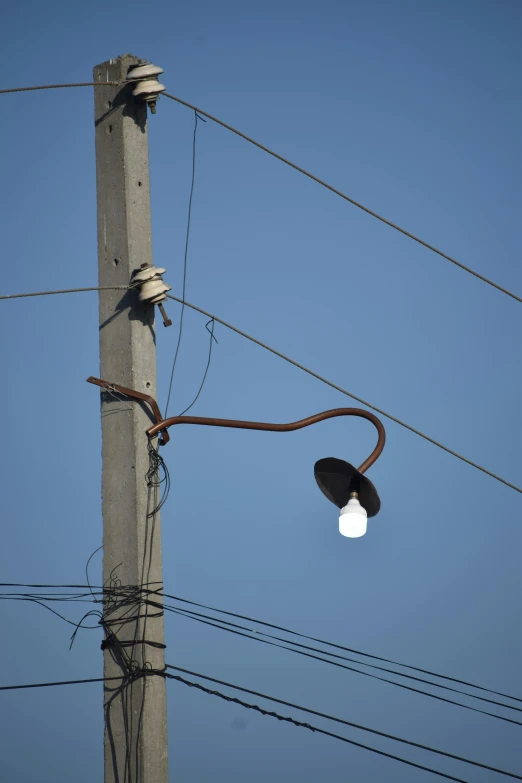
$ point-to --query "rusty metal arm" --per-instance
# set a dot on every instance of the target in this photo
(137, 396)
(161, 426)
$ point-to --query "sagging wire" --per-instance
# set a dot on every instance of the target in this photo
(212, 340)
(247, 705)
(301, 724)
(257, 638)
(185, 260)
(157, 464)
(122, 595)
(327, 717)
(305, 369)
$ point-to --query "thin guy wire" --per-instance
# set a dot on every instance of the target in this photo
(349, 394)
(61, 86)
(345, 197)
(69, 291)
(187, 239)
(344, 722)
(300, 367)
(212, 338)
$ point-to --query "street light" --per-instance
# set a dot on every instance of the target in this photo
(344, 485)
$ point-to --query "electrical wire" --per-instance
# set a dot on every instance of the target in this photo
(218, 623)
(69, 291)
(288, 163)
(254, 635)
(344, 196)
(61, 86)
(273, 714)
(332, 644)
(131, 592)
(348, 394)
(358, 671)
(52, 684)
(304, 369)
(187, 239)
(340, 720)
(212, 339)
(315, 729)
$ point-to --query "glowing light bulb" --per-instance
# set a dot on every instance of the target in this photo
(353, 519)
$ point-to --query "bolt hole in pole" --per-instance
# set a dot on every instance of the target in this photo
(116, 261)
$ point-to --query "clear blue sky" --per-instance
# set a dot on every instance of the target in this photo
(412, 107)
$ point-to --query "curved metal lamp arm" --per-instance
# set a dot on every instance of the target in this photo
(294, 425)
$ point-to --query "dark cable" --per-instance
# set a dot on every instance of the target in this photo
(52, 684)
(212, 338)
(187, 238)
(345, 197)
(158, 592)
(344, 722)
(350, 668)
(222, 623)
(315, 729)
(332, 644)
(87, 570)
(156, 462)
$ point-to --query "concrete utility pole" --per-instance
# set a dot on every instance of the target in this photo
(135, 714)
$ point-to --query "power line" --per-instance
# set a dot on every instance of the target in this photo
(332, 718)
(330, 644)
(218, 623)
(345, 197)
(61, 86)
(300, 724)
(238, 630)
(348, 394)
(68, 291)
(90, 596)
(350, 668)
(26, 686)
(229, 699)
(288, 163)
(185, 259)
(300, 367)
(52, 684)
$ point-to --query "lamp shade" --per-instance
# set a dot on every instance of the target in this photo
(337, 478)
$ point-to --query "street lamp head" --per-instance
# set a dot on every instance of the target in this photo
(350, 490)
(345, 486)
